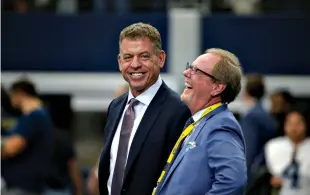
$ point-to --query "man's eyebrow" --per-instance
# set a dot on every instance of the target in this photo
(145, 52)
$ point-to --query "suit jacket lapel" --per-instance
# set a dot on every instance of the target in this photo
(145, 125)
(193, 137)
(115, 121)
(114, 117)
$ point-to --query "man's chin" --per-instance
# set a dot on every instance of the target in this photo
(138, 87)
(185, 98)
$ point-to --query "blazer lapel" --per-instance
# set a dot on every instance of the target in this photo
(193, 137)
(114, 117)
(115, 121)
(150, 116)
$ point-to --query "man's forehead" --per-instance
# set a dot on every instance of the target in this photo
(207, 60)
(136, 45)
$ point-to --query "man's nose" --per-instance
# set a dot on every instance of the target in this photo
(135, 62)
(187, 72)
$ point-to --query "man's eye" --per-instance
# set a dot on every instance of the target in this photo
(127, 57)
(145, 56)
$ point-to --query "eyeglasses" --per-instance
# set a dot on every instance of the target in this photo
(194, 70)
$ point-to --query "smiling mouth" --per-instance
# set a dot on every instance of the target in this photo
(136, 74)
(188, 86)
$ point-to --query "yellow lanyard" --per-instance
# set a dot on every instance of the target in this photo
(184, 134)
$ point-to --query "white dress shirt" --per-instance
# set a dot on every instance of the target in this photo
(279, 153)
(144, 99)
(198, 114)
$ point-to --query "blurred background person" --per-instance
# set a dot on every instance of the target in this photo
(92, 186)
(9, 114)
(282, 103)
(258, 127)
(65, 176)
(121, 90)
(27, 150)
(288, 157)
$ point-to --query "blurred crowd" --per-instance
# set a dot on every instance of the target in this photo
(36, 155)
(277, 139)
(123, 6)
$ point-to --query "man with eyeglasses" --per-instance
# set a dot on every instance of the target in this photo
(209, 156)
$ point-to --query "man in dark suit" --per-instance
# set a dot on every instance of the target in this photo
(143, 124)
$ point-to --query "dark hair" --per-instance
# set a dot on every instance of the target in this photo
(24, 86)
(255, 86)
(286, 95)
(304, 111)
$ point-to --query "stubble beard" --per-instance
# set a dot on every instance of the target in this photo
(186, 98)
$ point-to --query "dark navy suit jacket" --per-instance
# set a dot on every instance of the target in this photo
(211, 161)
(156, 135)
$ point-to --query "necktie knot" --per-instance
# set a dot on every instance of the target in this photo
(133, 102)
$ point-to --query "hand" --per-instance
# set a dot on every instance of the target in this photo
(92, 183)
(276, 182)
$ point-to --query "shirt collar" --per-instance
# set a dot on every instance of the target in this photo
(147, 96)
(197, 115)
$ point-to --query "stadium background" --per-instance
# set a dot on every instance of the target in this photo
(72, 57)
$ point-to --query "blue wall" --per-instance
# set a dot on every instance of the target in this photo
(265, 44)
(89, 43)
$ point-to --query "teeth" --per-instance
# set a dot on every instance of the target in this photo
(136, 74)
(188, 86)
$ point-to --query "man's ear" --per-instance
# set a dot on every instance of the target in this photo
(218, 88)
(162, 58)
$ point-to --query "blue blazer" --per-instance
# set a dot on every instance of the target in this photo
(212, 160)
